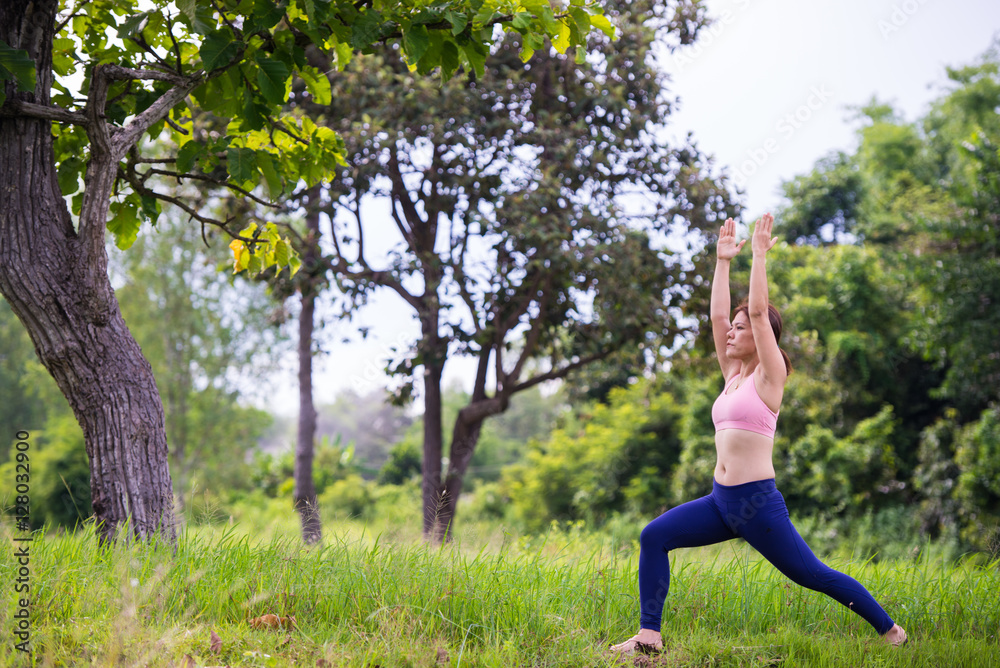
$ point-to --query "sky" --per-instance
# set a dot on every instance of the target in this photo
(767, 90)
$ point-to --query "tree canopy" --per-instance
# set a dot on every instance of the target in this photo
(88, 88)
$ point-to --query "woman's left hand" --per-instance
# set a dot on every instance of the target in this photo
(761, 241)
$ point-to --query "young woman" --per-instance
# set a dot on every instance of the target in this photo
(744, 501)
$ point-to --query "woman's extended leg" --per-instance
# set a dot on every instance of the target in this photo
(690, 524)
(771, 533)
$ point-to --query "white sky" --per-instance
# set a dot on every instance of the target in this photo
(767, 91)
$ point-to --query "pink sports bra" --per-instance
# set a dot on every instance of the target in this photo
(743, 409)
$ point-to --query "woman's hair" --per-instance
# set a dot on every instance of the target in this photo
(775, 318)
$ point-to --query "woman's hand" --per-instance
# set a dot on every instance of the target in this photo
(761, 241)
(728, 247)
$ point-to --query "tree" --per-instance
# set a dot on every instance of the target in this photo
(209, 338)
(162, 68)
(524, 204)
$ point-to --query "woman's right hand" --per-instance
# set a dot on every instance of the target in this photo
(728, 247)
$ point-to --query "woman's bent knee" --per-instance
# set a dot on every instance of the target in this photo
(658, 535)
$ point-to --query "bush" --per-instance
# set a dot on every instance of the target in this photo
(405, 462)
(621, 458)
(350, 496)
(977, 454)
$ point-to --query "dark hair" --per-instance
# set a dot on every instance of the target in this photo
(775, 319)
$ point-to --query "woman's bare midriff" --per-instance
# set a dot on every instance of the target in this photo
(743, 456)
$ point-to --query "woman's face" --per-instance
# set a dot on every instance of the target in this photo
(739, 340)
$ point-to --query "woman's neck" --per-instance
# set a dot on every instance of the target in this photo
(747, 367)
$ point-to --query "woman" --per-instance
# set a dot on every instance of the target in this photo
(744, 501)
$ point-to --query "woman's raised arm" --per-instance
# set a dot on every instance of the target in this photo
(726, 250)
(772, 363)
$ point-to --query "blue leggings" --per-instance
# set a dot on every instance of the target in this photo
(756, 512)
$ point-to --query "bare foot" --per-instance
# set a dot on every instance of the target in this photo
(646, 641)
(896, 636)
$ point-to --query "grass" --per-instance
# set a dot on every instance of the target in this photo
(382, 598)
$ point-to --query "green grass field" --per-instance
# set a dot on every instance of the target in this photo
(382, 598)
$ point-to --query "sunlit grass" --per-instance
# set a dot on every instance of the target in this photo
(373, 597)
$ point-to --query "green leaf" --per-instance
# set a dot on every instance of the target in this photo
(254, 114)
(124, 224)
(550, 22)
(218, 50)
(344, 55)
(582, 20)
(602, 23)
(188, 8)
(449, 59)
(476, 54)
(254, 264)
(536, 6)
(265, 163)
(69, 175)
(521, 21)
(241, 163)
(132, 25)
(16, 65)
(267, 13)
(457, 20)
(366, 30)
(282, 253)
(416, 40)
(271, 77)
(294, 264)
(204, 22)
(561, 40)
(317, 84)
(150, 208)
(188, 154)
(534, 41)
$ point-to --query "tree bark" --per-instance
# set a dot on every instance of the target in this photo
(463, 446)
(69, 310)
(435, 530)
(305, 487)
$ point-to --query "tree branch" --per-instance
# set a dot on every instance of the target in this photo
(99, 181)
(133, 180)
(15, 107)
(119, 73)
(361, 229)
(461, 279)
(402, 195)
(531, 340)
(561, 372)
(208, 179)
(129, 135)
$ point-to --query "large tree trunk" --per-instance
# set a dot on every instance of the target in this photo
(305, 488)
(56, 283)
